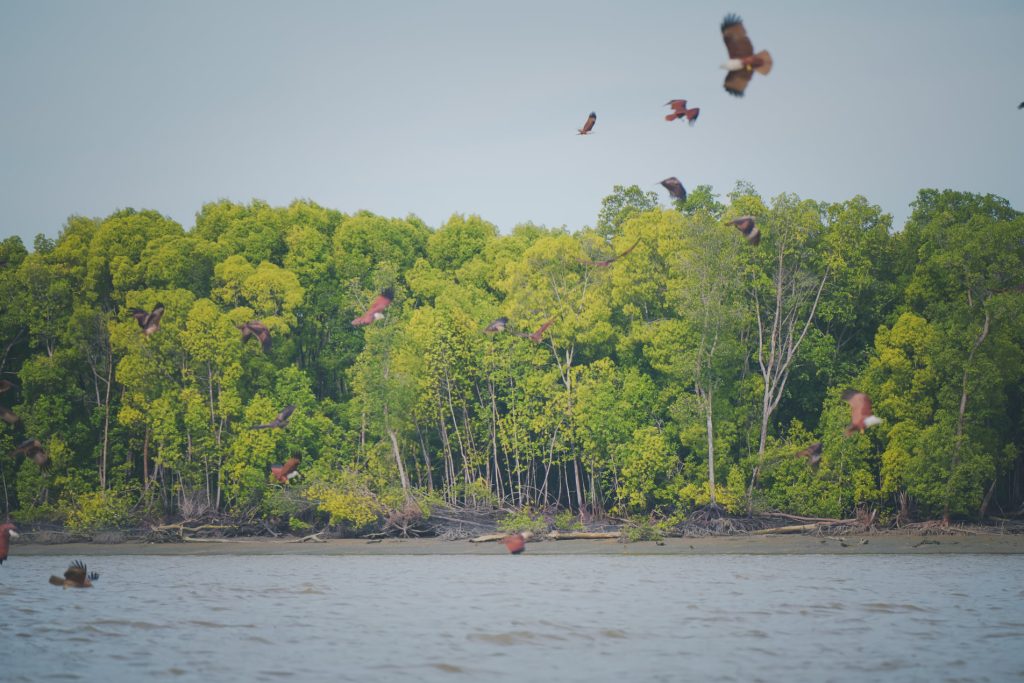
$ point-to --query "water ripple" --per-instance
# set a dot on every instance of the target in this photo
(564, 618)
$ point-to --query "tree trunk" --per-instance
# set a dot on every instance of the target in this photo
(398, 459)
(711, 448)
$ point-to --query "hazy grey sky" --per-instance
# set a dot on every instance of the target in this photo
(472, 106)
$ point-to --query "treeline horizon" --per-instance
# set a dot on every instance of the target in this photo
(686, 375)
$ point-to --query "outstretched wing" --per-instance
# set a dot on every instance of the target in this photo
(285, 413)
(735, 37)
(736, 81)
(497, 325)
(76, 573)
(589, 125)
(675, 188)
(9, 417)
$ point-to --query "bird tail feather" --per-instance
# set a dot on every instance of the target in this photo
(766, 62)
(56, 581)
(672, 117)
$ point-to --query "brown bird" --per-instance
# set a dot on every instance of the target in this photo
(516, 543)
(860, 412)
(680, 111)
(7, 532)
(289, 470)
(34, 451)
(149, 322)
(812, 453)
(75, 577)
(748, 227)
(608, 262)
(742, 61)
(6, 385)
(7, 416)
(675, 188)
(280, 421)
(376, 309)
(535, 337)
(254, 328)
(498, 325)
(589, 125)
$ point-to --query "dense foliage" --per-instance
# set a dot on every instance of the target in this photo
(685, 374)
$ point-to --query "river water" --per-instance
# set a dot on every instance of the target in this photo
(528, 618)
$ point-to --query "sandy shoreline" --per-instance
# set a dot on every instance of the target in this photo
(860, 544)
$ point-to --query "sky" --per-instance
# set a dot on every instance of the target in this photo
(433, 108)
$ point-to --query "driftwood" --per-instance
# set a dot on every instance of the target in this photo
(795, 529)
(557, 535)
(312, 537)
(487, 537)
(194, 539)
(180, 528)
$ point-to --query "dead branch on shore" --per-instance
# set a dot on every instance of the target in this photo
(794, 529)
(486, 538)
(181, 528)
(312, 537)
(557, 535)
(196, 539)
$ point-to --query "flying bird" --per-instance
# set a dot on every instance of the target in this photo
(812, 453)
(280, 421)
(535, 337)
(860, 412)
(608, 262)
(34, 451)
(254, 328)
(680, 111)
(748, 227)
(742, 61)
(497, 325)
(288, 471)
(589, 125)
(6, 385)
(376, 309)
(75, 577)
(149, 322)
(675, 188)
(1019, 106)
(7, 416)
(7, 532)
(516, 543)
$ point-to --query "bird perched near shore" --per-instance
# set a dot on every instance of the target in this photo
(34, 451)
(748, 226)
(680, 111)
(255, 328)
(149, 322)
(75, 577)
(516, 543)
(589, 124)
(288, 471)
(861, 416)
(607, 262)
(675, 188)
(742, 61)
(812, 453)
(280, 421)
(7, 532)
(376, 309)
